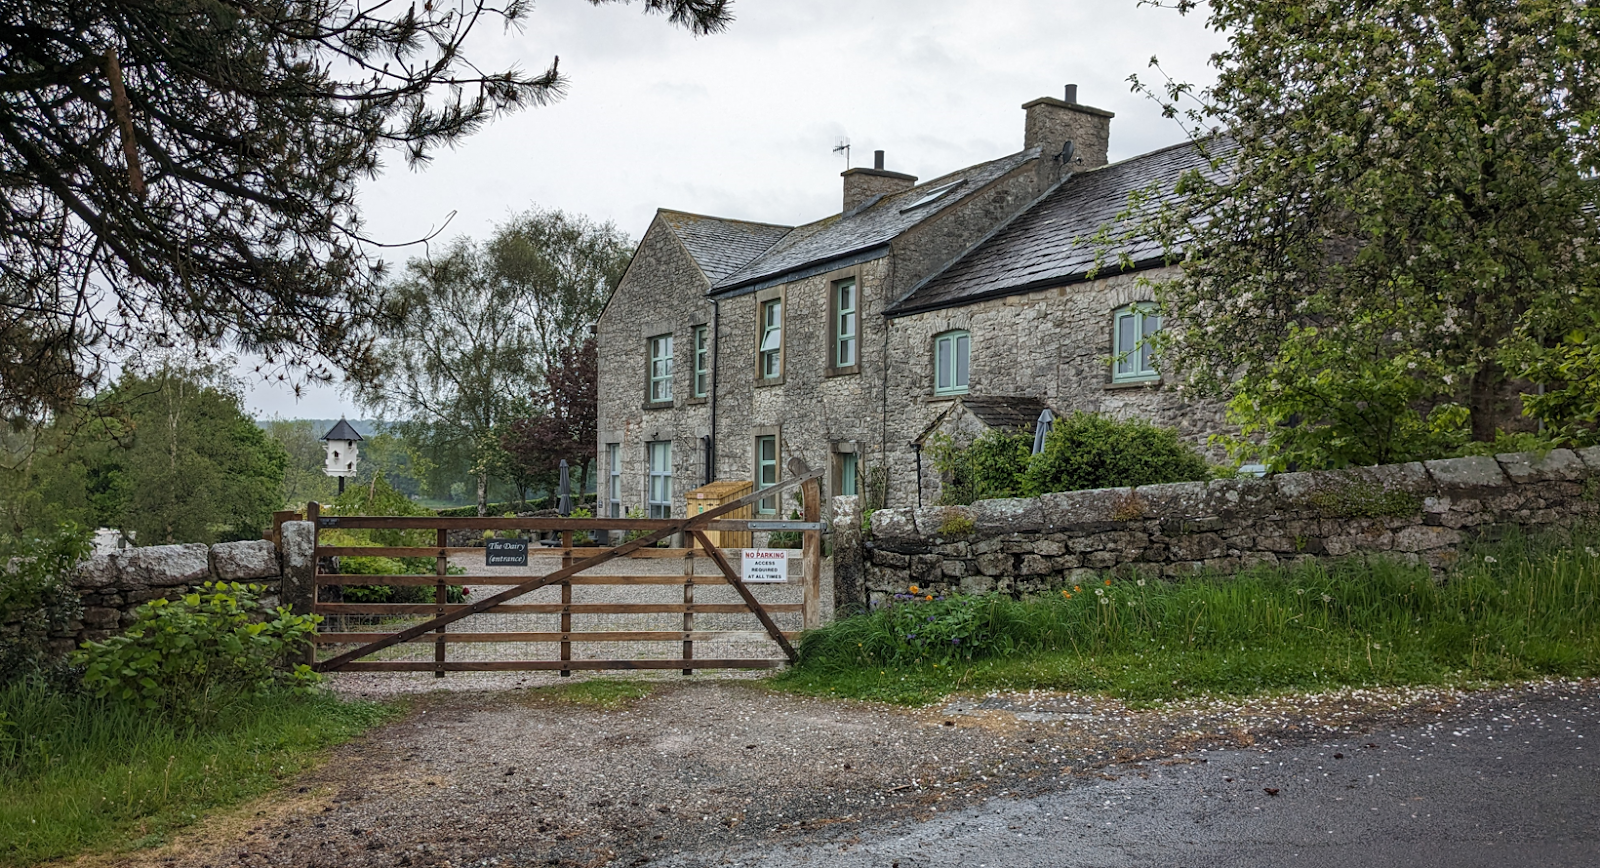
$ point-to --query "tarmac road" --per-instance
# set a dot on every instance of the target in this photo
(1504, 786)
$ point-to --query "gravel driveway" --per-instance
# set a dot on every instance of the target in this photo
(705, 770)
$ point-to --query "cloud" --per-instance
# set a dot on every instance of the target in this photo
(743, 123)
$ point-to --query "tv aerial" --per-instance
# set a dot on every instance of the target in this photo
(842, 146)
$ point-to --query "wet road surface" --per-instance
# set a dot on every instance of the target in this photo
(1500, 786)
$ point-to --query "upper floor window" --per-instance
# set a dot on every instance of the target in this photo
(769, 361)
(1132, 331)
(702, 361)
(661, 369)
(845, 323)
(951, 352)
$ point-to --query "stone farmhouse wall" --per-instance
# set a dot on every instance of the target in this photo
(663, 293)
(111, 586)
(1052, 344)
(815, 412)
(1420, 512)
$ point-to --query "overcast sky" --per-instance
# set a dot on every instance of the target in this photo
(742, 124)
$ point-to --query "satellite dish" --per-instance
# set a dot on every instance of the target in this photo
(1067, 150)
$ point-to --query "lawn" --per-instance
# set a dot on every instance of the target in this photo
(1517, 609)
(79, 774)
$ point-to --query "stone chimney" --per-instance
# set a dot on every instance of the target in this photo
(1051, 123)
(862, 184)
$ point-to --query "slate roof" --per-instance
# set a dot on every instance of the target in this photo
(721, 246)
(1014, 413)
(342, 431)
(1006, 414)
(842, 235)
(1052, 242)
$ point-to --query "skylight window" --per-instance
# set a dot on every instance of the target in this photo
(933, 195)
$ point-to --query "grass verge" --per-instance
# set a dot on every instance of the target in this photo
(608, 693)
(79, 774)
(1517, 609)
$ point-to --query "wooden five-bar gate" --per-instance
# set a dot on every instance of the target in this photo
(395, 625)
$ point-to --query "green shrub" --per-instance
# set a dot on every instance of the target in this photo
(1088, 450)
(189, 655)
(36, 598)
(992, 467)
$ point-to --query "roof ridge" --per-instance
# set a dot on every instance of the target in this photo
(723, 219)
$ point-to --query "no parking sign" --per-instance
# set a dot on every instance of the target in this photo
(766, 565)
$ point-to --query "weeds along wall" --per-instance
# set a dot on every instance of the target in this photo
(1421, 512)
(111, 586)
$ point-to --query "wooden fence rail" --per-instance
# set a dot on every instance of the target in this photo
(396, 624)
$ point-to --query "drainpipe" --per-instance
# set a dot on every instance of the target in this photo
(917, 448)
(716, 355)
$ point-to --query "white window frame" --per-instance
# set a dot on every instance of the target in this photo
(769, 344)
(766, 472)
(658, 478)
(846, 324)
(614, 479)
(1133, 364)
(952, 373)
(659, 390)
(702, 361)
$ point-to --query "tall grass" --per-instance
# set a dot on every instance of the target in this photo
(1517, 609)
(78, 773)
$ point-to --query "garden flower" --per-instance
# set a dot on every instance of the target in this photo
(1140, 583)
(1490, 559)
(929, 598)
(1591, 551)
(1076, 589)
(915, 589)
(1326, 598)
(1099, 593)
(1065, 594)
(1108, 583)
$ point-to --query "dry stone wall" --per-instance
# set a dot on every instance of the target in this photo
(1417, 513)
(111, 586)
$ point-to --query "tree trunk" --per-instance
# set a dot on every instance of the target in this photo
(483, 493)
(1484, 402)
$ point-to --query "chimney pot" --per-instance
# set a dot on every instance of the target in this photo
(877, 159)
(1071, 94)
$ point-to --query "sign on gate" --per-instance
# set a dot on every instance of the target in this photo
(505, 553)
(766, 565)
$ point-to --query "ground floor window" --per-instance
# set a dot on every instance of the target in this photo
(767, 471)
(614, 480)
(659, 494)
(849, 468)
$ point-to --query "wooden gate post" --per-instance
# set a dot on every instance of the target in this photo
(811, 555)
(441, 596)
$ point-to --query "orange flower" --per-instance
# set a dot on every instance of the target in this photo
(1076, 589)
(1108, 583)
(929, 598)
(915, 589)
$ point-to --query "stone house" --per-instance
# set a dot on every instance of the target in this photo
(730, 346)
